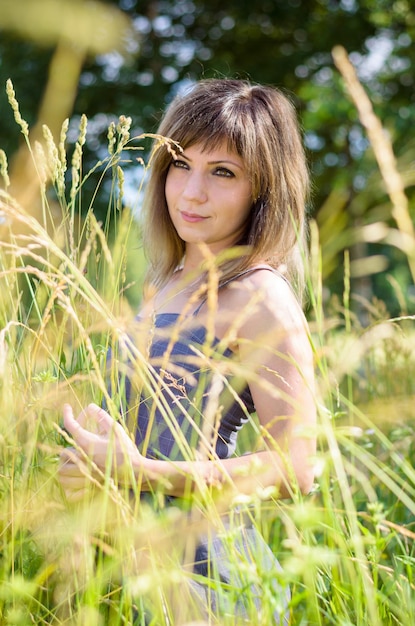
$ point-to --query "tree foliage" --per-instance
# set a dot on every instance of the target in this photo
(287, 43)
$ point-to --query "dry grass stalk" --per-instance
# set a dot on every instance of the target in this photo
(383, 151)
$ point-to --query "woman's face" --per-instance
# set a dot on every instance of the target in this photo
(209, 196)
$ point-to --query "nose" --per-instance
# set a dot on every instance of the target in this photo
(195, 188)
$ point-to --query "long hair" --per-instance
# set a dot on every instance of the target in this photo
(260, 124)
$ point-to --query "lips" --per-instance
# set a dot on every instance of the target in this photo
(192, 217)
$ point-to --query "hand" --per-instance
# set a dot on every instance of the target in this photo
(109, 444)
(77, 479)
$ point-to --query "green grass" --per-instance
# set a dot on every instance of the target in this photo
(68, 291)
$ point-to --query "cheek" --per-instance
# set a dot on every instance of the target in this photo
(167, 187)
(245, 208)
(169, 192)
(245, 200)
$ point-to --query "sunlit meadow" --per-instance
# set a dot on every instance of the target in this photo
(68, 292)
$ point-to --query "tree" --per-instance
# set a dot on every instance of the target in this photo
(283, 42)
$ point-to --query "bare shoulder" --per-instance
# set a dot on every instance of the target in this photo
(268, 317)
(267, 298)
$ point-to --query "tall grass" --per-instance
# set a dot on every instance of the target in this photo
(346, 550)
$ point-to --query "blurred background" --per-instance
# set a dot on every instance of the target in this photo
(103, 59)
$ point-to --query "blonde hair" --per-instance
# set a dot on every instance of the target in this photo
(260, 124)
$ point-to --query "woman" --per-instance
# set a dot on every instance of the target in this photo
(224, 333)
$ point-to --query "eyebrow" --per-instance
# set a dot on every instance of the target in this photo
(217, 162)
(220, 161)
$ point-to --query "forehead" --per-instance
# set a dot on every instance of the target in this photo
(215, 151)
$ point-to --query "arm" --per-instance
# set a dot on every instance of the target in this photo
(281, 382)
(274, 349)
(275, 342)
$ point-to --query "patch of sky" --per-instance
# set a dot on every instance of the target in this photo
(357, 141)
(97, 126)
(178, 30)
(302, 71)
(323, 76)
(313, 141)
(349, 5)
(331, 159)
(188, 19)
(404, 113)
(180, 88)
(215, 33)
(145, 79)
(183, 51)
(404, 40)
(132, 43)
(87, 79)
(169, 74)
(379, 50)
(142, 25)
(204, 54)
(111, 63)
(227, 23)
(162, 25)
(127, 5)
(399, 64)
(134, 186)
(182, 8)
(359, 182)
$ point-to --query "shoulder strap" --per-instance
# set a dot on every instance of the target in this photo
(250, 270)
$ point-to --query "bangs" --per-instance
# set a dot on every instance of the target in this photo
(229, 123)
(210, 132)
(198, 118)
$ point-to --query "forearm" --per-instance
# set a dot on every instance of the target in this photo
(245, 474)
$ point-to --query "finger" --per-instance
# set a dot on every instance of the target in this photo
(69, 421)
(82, 417)
(76, 465)
(83, 438)
(70, 469)
(74, 496)
(103, 420)
(72, 482)
(106, 424)
(77, 475)
(70, 455)
(78, 424)
(75, 469)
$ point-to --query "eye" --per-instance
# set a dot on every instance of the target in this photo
(223, 171)
(179, 164)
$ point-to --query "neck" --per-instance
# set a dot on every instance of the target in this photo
(201, 255)
(196, 257)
